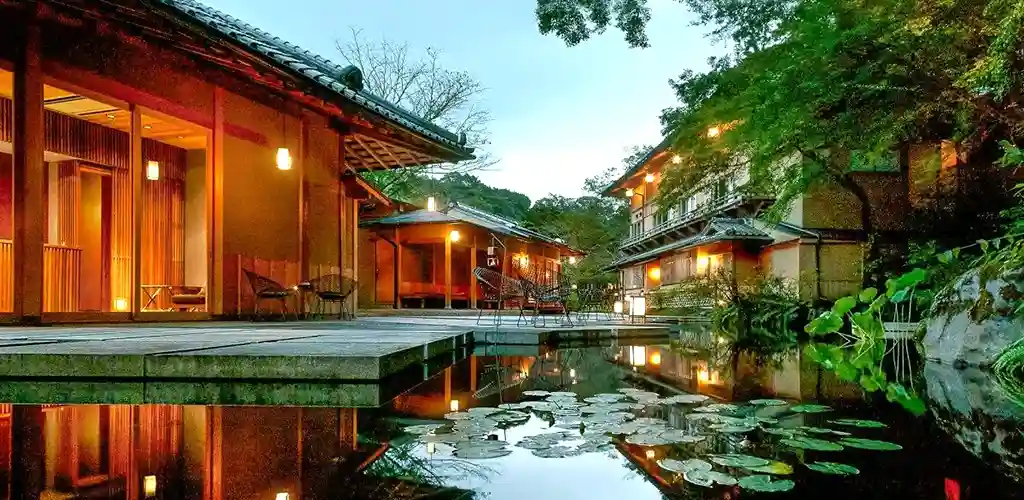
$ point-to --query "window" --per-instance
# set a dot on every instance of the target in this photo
(660, 218)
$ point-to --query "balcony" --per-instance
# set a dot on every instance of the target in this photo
(736, 203)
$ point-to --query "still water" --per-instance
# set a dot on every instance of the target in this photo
(609, 421)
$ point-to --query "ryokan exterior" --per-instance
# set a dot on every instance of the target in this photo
(149, 144)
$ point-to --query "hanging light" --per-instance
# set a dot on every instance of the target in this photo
(454, 235)
(650, 454)
(629, 193)
(149, 486)
(284, 159)
(654, 273)
(281, 495)
(656, 358)
(649, 178)
(153, 170)
(431, 203)
(454, 405)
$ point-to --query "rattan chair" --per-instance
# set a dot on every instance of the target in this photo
(498, 289)
(335, 289)
(263, 289)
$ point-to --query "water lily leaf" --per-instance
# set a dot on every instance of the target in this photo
(739, 460)
(781, 431)
(693, 464)
(686, 399)
(810, 408)
(512, 406)
(833, 468)
(706, 478)
(868, 294)
(765, 484)
(482, 411)
(807, 443)
(604, 398)
(852, 422)
(563, 394)
(870, 444)
(767, 402)
(534, 394)
(716, 408)
(648, 439)
(680, 436)
(422, 429)
(732, 429)
(824, 430)
(458, 415)
(775, 467)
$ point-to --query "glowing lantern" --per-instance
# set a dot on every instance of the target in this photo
(120, 304)
(638, 355)
(656, 358)
(432, 204)
(617, 307)
(650, 454)
(149, 486)
(281, 495)
(638, 307)
(714, 132)
(677, 159)
(649, 178)
(654, 273)
(454, 235)
(284, 162)
(153, 170)
(702, 264)
(572, 372)
(454, 405)
(431, 448)
(572, 259)
(629, 193)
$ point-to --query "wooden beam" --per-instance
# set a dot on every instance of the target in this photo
(137, 172)
(215, 208)
(29, 180)
(388, 151)
(303, 156)
(368, 150)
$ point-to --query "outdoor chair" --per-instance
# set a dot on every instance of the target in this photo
(188, 298)
(497, 289)
(334, 289)
(264, 288)
(557, 294)
(588, 300)
(531, 290)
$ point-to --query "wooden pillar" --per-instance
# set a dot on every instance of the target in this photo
(398, 268)
(28, 452)
(29, 179)
(215, 209)
(213, 485)
(348, 428)
(448, 268)
(137, 171)
(354, 296)
(303, 228)
(472, 277)
(448, 389)
(472, 373)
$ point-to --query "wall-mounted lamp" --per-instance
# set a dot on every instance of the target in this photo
(153, 170)
(649, 178)
(284, 160)
(572, 259)
(149, 486)
(629, 193)
(120, 304)
(714, 132)
(454, 235)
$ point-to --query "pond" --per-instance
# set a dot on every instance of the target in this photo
(608, 421)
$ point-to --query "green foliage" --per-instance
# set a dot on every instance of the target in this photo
(574, 21)
(857, 355)
(592, 224)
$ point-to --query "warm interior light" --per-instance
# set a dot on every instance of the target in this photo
(431, 203)
(656, 358)
(149, 486)
(572, 259)
(649, 178)
(638, 355)
(454, 405)
(120, 304)
(654, 273)
(284, 160)
(524, 260)
(153, 170)
(703, 376)
(702, 264)
(629, 193)
(638, 307)
(650, 454)
(572, 372)
(454, 235)
(677, 159)
(281, 495)
(714, 132)
(617, 307)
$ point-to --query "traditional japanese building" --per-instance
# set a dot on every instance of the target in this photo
(818, 247)
(152, 149)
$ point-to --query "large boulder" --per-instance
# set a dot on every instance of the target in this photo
(973, 325)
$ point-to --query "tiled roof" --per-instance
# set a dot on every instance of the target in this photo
(662, 146)
(312, 67)
(456, 213)
(718, 229)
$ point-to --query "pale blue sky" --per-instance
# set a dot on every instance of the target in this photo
(560, 113)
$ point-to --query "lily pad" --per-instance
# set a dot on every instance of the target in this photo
(563, 394)
(422, 429)
(650, 421)
(775, 467)
(706, 478)
(824, 430)
(482, 410)
(738, 460)
(681, 467)
(686, 399)
(458, 415)
(680, 436)
(810, 408)
(782, 431)
(765, 484)
(511, 406)
(558, 452)
(732, 428)
(853, 422)
(833, 468)
(716, 408)
(807, 443)
(481, 453)
(648, 439)
(604, 398)
(535, 394)
(870, 444)
(510, 416)
(767, 402)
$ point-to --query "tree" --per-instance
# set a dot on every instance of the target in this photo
(593, 224)
(424, 87)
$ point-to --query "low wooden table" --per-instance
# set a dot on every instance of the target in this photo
(152, 294)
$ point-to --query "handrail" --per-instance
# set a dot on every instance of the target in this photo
(698, 212)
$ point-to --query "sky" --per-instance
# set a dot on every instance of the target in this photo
(560, 114)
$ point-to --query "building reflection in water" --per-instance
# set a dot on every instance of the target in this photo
(169, 451)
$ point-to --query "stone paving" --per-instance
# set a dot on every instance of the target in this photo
(312, 351)
(525, 332)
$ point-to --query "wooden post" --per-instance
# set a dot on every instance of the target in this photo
(348, 428)
(448, 389)
(28, 452)
(472, 277)
(354, 296)
(215, 210)
(398, 268)
(448, 268)
(137, 171)
(301, 154)
(472, 373)
(29, 180)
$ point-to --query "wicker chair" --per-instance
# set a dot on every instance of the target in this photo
(588, 299)
(558, 294)
(491, 283)
(264, 288)
(333, 288)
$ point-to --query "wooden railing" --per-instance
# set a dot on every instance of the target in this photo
(62, 267)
